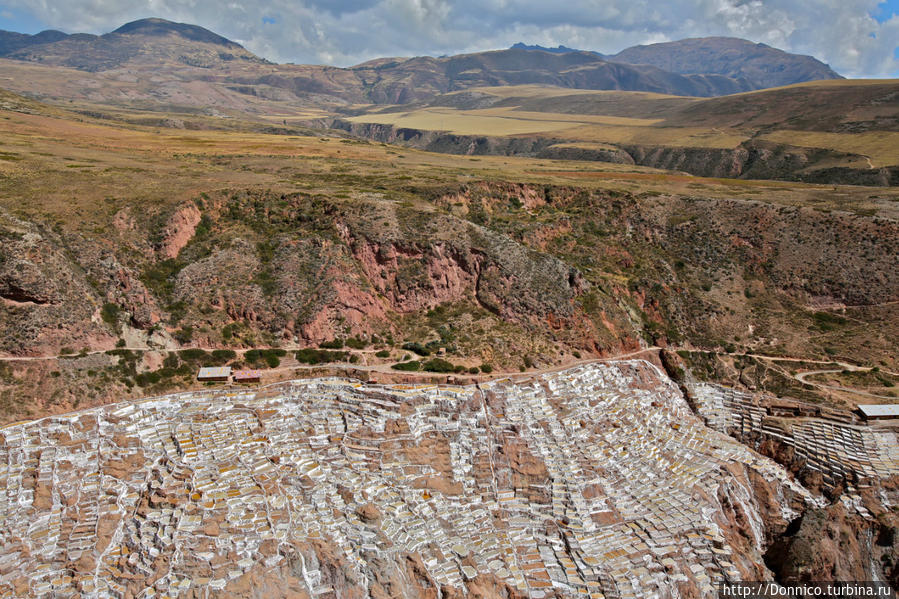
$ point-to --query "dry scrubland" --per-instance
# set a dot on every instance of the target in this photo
(206, 237)
(797, 115)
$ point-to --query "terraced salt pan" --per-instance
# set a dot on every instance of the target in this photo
(597, 481)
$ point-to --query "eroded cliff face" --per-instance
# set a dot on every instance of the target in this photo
(370, 264)
(750, 160)
(46, 302)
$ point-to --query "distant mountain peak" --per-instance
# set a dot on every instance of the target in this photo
(560, 49)
(759, 65)
(157, 27)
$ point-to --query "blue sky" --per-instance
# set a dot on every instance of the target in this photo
(886, 10)
(858, 38)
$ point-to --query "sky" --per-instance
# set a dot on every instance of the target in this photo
(858, 38)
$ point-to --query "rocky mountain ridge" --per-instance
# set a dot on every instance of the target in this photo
(160, 43)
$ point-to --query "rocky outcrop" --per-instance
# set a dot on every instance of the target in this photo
(46, 302)
(826, 543)
(573, 152)
(179, 230)
(453, 260)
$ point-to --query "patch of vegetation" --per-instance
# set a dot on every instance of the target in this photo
(438, 365)
(825, 321)
(408, 366)
(418, 348)
(319, 356)
(223, 355)
(110, 313)
(184, 334)
(356, 343)
(271, 357)
(160, 277)
(267, 282)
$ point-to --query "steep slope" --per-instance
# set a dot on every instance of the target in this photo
(757, 65)
(154, 41)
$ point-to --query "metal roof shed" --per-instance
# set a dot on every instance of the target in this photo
(217, 373)
(879, 411)
(247, 376)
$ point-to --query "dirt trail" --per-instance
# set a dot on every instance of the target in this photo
(385, 368)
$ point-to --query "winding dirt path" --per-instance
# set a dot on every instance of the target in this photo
(385, 368)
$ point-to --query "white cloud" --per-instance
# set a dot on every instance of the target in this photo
(839, 32)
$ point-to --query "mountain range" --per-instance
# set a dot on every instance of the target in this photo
(694, 67)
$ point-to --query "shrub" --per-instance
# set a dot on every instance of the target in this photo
(418, 348)
(272, 360)
(473, 370)
(223, 355)
(486, 368)
(145, 379)
(194, 355)
(355, 343)
(228, 331)
(407, 366)
(110, 313)
(438, 365)
(382, 354)
(184, 334)
(66, 351)
(319, 356)
(333, 344)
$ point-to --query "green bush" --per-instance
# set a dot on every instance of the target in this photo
(184, 334)
(473, 370)
(418, 348)
(438, 365)
(382, 354)
(407, 366)
(319, 356)
(223, 355)
(272, 360)
(145, 379)
(110, 313)
(486, 368)
(354, 343)
(171, 361)
(333, 344)
(194, 355)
